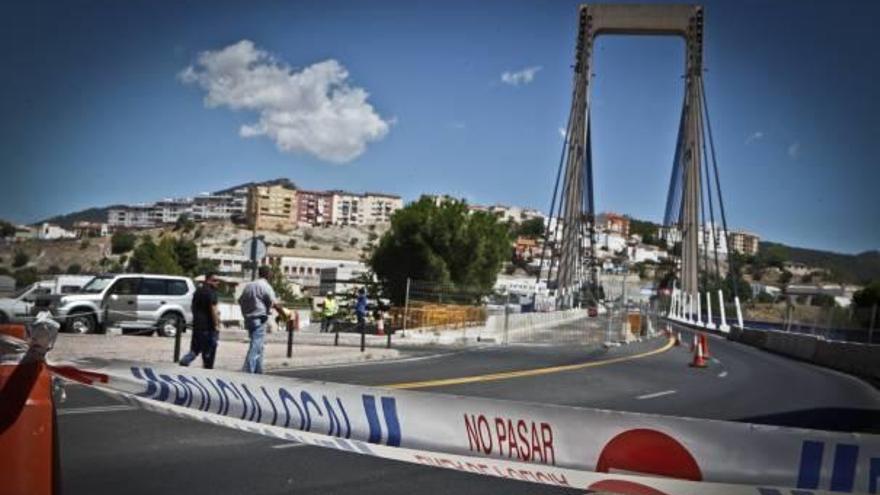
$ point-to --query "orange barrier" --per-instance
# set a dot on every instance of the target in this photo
(28, 446)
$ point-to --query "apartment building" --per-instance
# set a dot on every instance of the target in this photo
(506, 213)
(225, 205)
(272, 207)
(379, 207)
(744, 242)
(131, 217)
(314, 207)
(363, 209)
(612, 222)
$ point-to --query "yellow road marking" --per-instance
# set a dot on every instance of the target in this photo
(521, 373)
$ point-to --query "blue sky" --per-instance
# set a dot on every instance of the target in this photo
(96, 111)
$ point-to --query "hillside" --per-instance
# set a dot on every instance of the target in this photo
(851, 268)
(98, 214)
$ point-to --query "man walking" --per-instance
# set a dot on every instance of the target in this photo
(256, 301)
(206, 323)
(329, 312)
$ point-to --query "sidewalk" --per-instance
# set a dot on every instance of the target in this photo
(230, 352)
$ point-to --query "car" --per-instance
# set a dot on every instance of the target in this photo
(159, 303)
(18, 307)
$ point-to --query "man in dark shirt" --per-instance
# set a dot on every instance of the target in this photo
(206, 323)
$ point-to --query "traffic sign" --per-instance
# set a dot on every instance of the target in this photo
(247, 246)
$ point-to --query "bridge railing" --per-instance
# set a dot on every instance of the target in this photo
(857, 325)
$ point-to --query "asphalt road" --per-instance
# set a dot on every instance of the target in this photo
(109, 448)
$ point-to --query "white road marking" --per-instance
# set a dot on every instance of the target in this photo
(289, 445)
(95, 409)
(656, 394)
(722, 374)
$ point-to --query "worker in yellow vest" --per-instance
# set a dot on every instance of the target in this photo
(328, 314)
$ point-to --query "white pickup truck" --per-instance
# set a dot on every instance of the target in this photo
(17, 308)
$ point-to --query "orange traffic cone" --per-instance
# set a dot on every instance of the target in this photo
(678, 339)
(699, 361)
(705, 342)
(28, 448)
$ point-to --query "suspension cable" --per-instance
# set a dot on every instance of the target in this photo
(555, 191)
(730, 261)
(712, 229)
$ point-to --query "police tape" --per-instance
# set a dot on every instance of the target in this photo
(555, 445)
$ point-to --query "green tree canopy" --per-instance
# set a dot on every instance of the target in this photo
(20, 259)
(6, 229)
(150, 257)
(869, 296)
(533, 227)
(122, 242)
(444, 244)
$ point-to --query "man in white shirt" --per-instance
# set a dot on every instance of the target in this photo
(256, 301)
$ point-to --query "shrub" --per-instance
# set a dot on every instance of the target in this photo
(21, 258)
(74, 269)
(122, 242)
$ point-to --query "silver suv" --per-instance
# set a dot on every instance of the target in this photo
(130, 301)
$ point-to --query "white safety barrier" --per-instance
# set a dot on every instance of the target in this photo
(566, 446)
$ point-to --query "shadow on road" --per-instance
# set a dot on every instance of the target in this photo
(850, 420)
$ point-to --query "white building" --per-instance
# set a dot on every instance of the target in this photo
(639, 254)
(523, 286)
(363, 209)
(217, 206)
(305, 270)
(378, 207)
(709, 235)
(506, 213)
(137, 216)
(341, 279)
(227, 261)
(48, 232)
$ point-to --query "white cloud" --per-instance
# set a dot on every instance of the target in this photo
(562, 132)
(313, 110)
(794, 150)
(524, 76)
(755, 136)
(457, 125)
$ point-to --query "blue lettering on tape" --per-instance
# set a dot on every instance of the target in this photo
(164, 392)
(151, 384)
(389, 409)
(372, 419)
(844, 473)
(392, 423)
(874, 475)
(286, 398)
(274, 409)
(811, 464)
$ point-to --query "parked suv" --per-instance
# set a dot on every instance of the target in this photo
(129, 301)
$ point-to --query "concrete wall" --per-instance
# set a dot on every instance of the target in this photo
(857, 359)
